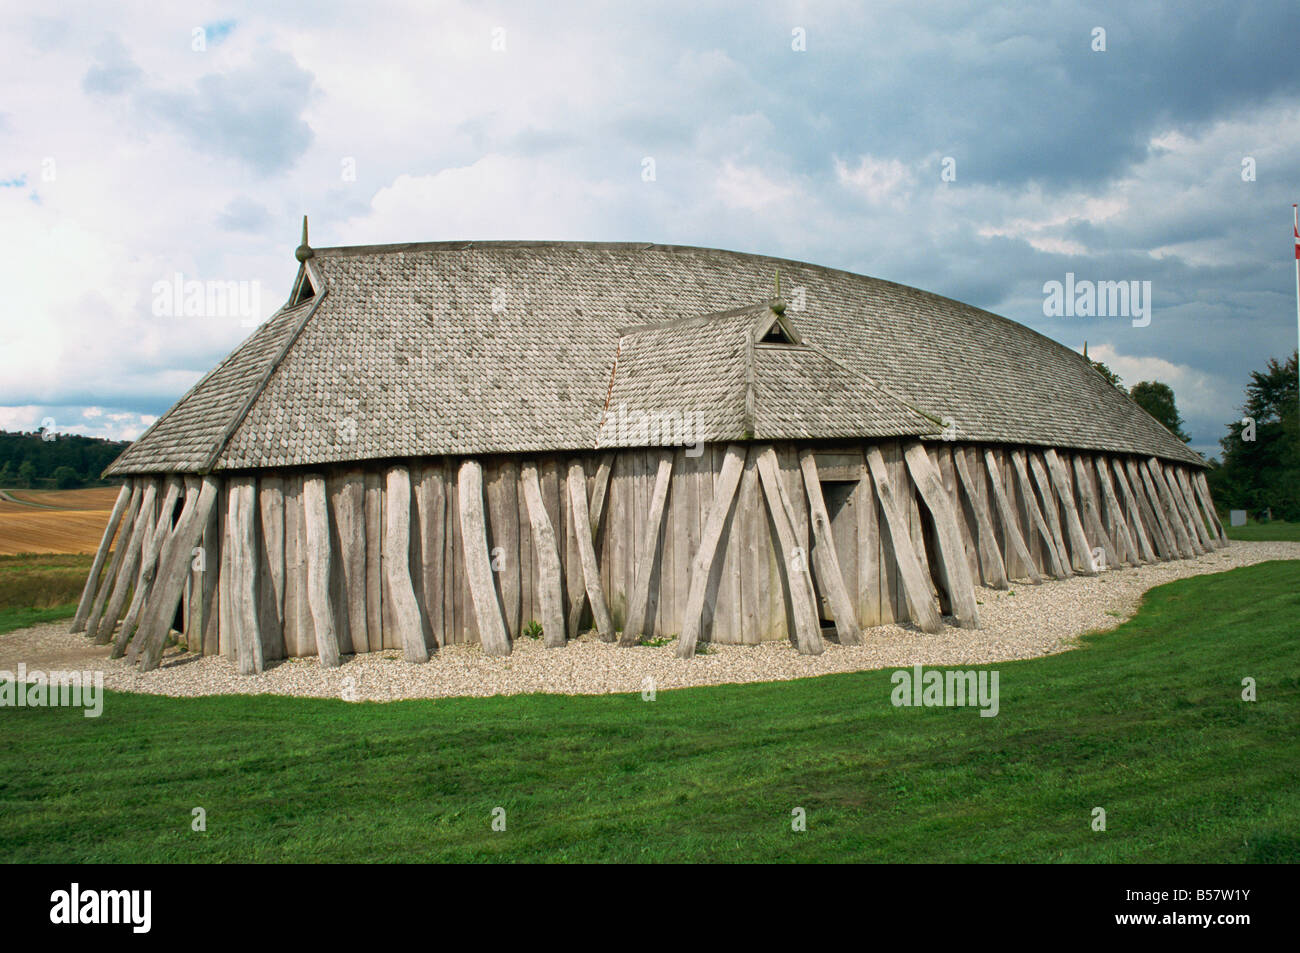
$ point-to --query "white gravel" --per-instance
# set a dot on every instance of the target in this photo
(1025, 622)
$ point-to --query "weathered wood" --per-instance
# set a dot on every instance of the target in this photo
(1132, 508)
(1124, 541)
(316, 520)
(348, 503)
(548, 472)
(478, 560)
(174, 568)
(990, 560)
(1053, 564)
(299, 629)
(398, 589)
(547, 553)
(1162, 533)
(1091, 513)
(952, 557)
(243, 574)
(920, 600)
(724, 495)
(148, 569)
(1166, 483)
(503, 511)
(1051, 511)
(101, 554)
(167, 579)
(1202, 487)
(206, 573)
(119, 556)
(431, 505)
(639, 619)
(825, 560)
(868, 542)
(270, 506)
(793, 556)
(1010, 530)
(1208, 540)
(374, 536)
(1081, 558)
(129, 572)
(1163, 501)
(596, 517)
(580, 514)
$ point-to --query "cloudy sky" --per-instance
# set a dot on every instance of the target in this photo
(141, 141)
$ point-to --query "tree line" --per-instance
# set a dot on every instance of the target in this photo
(1260, 469)
(54, 461)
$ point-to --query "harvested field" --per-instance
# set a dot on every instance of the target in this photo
(54, 521)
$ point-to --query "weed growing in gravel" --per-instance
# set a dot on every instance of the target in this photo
(533, 630)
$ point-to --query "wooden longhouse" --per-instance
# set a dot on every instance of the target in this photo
(443, 443)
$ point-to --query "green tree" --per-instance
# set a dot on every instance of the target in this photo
(65, 478)
(1105, 372)
(6, 475)
(1157, 399)
(26, 474)
(1264, 472)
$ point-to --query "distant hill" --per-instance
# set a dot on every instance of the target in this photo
(66, 461)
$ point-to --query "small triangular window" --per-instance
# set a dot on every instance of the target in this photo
(304, 290)
(776, 334)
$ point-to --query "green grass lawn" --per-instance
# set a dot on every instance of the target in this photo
(1146, 721)
(1263, 532)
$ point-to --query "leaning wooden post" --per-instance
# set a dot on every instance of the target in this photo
(1163, 501)
(119, 554)
(1092, 512)
(1009, 528)
(925, 613)
(596, 516)
(1057, 566)
(1162, 537)
(1080, 551)
(316, 519)
(825, 559)
(1051, 511)
(724, 494)
(1115, 512)
(163, 542)
(1202, 487)
(101, 554)
(952, 556)
(639, 621)
(398, 586)
(803, 605)
(1132, 508)
(173, 569)
(1166, 483)
(242, 537)
(547, 556)
(1207, 538)
(990, 560)
(478, 562)
(581, 517)
(148, 567)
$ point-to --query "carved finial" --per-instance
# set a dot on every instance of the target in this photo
(303, 251)
(778, 303)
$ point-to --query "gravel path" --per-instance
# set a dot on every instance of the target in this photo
(1025, 622)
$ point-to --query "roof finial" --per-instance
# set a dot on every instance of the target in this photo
(778, 303)
(1085, 350)
(303, 251)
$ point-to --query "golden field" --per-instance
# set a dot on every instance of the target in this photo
(54, 521)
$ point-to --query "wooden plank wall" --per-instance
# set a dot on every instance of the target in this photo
(751, 605)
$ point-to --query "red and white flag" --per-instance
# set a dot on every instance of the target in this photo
(1296, 226)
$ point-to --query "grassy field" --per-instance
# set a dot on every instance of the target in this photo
(1146, 721)
(54, 521)
(1263, 532)
(41, 581)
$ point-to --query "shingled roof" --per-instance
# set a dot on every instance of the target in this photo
(504, 347)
